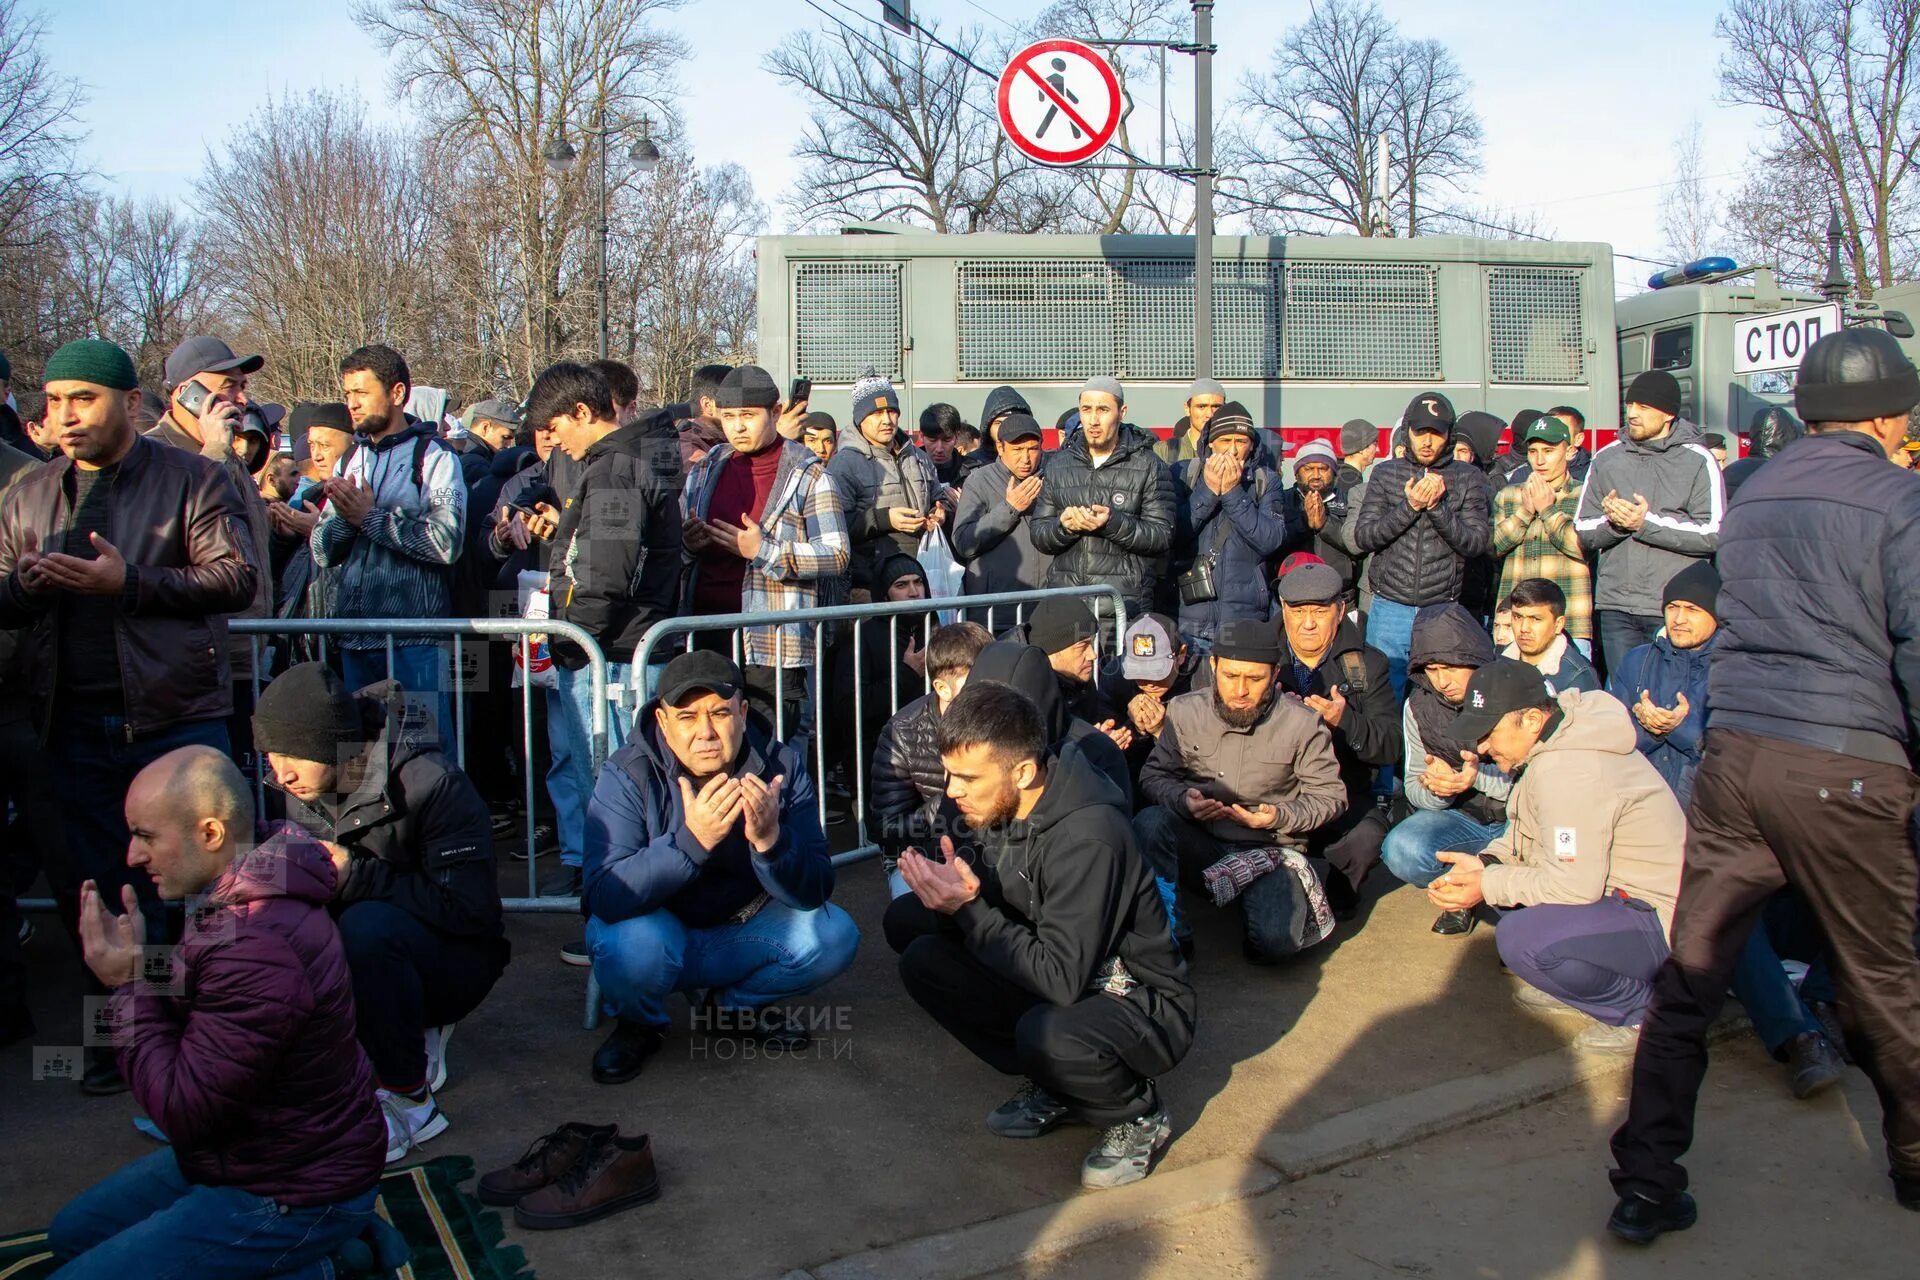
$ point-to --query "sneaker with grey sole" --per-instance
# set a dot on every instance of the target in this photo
(437, 1038)
(1030, 1113)
(1528, 996)
(1125, 1152)
(1601, 1038)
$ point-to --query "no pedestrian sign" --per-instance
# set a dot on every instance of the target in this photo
(1779, 339)
(1060, 102)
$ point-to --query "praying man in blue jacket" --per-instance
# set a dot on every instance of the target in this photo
(706, 869)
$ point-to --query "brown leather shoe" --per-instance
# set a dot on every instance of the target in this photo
(613, 1174)
(548, 1158)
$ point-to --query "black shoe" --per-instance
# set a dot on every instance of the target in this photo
(1828, 1016)
(1907, 1192)
(562, 883)
(769, 1027)
(626, 1051)
(1455, 924)
(1342, 898)
(1643, 1220)
(1813, 1065)
(102, 1078)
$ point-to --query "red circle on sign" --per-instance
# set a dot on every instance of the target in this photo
(1020, 72)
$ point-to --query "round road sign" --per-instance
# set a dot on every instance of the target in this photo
(1060, 102)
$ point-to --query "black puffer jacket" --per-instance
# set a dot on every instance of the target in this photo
(617, 568)
(1819, 639)
(909, 782)
(1420, 557)
(1136, 487)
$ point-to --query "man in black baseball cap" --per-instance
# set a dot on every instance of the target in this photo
(992, 535)
(706, 868)
(1424, 518)
(1592, 848)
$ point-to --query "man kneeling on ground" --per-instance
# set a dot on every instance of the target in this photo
(418, 905)
(1239, 770)
(706, 868)
(1047, 951)
(244, 1054)
(1592, 849)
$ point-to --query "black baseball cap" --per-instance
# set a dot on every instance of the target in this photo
(1429, 413)
(207, 355)
(700, 671)
(1503, 685)
(1018, 426)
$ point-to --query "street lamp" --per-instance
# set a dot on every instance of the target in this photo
(645, 158)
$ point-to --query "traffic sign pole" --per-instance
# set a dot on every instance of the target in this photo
(1203, 189)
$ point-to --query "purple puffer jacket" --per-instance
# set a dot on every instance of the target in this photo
(254, 1072)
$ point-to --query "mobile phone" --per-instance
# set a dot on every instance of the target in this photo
(801, 391)
(194, 396)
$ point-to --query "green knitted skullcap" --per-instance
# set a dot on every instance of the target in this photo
(95, 361)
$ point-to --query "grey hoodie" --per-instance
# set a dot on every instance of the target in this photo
(993, 540)
(1686, 499)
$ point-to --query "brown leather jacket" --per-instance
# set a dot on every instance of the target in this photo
(181, 528)
(254, 509)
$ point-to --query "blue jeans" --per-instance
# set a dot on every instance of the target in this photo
(576, 703)
(569, 802)
(1599, 957)
(779, 954)
(1767, 994)
(147, 1220)
(92, 765)
(1409, 848)
(421, 669)
(1390, 630)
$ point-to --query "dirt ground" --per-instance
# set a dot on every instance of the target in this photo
(877, 1135)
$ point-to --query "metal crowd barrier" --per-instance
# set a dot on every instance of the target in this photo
(1014, 602)
(457, 629)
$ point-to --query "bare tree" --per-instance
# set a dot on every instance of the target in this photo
(1688, 225)
(320, 235)
(1432, 129)
(1488, 222)
(1309, 142)
(1835, 79)
(906, 130)
(505, 80)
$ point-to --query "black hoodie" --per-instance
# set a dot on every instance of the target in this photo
(1449, 635)
(616, 567)
(1025, 667)
(1421, 557)
(1064, 890)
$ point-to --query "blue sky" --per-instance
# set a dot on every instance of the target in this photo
(1581, 103)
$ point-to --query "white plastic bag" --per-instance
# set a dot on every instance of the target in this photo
(946, 577)
(532, 659)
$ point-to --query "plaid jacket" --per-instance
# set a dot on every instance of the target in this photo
(803, 553)
(1545, 546)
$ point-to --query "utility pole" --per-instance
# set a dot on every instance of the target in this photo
(1203, 188)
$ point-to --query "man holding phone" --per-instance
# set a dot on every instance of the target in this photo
(207, 408)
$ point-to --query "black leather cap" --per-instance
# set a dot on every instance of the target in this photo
(1854, 375)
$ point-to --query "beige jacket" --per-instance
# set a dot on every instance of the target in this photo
(1589, 815)
(1286, 760)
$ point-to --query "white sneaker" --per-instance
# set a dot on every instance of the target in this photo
(1603, 1038)
(409, 1123)
(437, 1038)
